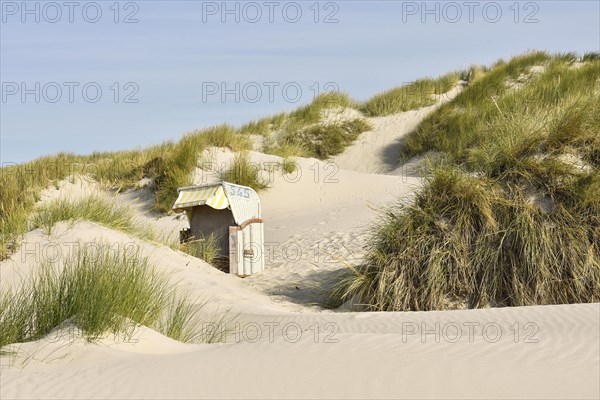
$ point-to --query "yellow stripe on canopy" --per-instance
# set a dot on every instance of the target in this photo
(219, 200)
(213, 196)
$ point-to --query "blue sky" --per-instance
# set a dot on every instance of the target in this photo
(168, 61)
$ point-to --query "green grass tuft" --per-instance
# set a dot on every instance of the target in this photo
(243, 172)
(511, 217)
(469, 242)
(411, 96)
(99, 292)
(591, 56)
(323, 141)
(312, 113)
(205, 248)
(263, 126)
(91, 208)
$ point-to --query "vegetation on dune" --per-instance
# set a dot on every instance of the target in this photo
(181, 161)
(457, 124)
(511, 216)
(463, 125)
(508, 216)
(302, 133)
(287, 150)
(205, 248)
(182, 320)
(469, 242)
(305, 116)
(90, 208)
(243, 172)
(311, 113)
(591, 56)
(263, 126)
(98, 292)
(169, 166)
(323, 141)
(20, 185)
(411, 96)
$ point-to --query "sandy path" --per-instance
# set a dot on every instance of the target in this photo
(378, 150)
(313, 218)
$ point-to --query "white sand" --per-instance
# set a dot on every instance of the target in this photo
(377, 151)
(524, 352)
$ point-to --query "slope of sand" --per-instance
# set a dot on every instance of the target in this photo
(377, 355)
(140, 201)
(314, 218)
(377, 151)
(282, 343)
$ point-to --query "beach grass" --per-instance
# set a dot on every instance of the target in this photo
(95, 208)
(205, 248)
(243, 172)
(410, 96)
(325, 140)
(169, 165)
(98, 291)
(511, 217)
(263, 126)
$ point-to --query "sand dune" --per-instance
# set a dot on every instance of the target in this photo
(377, 151)
(554, 356)
(283, 343)
(313, 217)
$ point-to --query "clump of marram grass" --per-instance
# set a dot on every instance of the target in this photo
(512, 216)
(302, 117)
(90, 208)
(179, 324)
(591, 56)
(312, 113)
(98, 292)
(568, 57)
(223, 136)
(179, 165)
(263, 126)
(205, 248)
(323, 141)
(170, 165)
(183, 318)
(462, 123)
(469, 242)
(289, 166)
(414, 95)
(473, 73)
(245, 173)
(287, 150)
